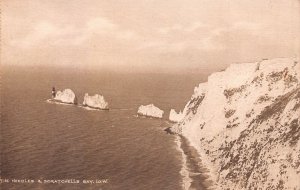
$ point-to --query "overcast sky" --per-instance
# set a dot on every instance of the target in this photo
(148, 35)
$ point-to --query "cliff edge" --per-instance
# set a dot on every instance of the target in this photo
(244, 122)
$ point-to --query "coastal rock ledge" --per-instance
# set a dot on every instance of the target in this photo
(244, 123)
(150, 111)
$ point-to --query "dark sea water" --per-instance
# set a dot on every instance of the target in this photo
(43, 141)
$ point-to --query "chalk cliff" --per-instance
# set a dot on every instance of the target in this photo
(244, 122)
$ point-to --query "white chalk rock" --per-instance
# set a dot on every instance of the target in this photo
(250, 113)
(176, 117)
(97, 102)
(66, 96)
(150, 111)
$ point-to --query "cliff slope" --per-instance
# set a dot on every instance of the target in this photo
(244, 122)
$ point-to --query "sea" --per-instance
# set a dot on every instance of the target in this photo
(46, 146)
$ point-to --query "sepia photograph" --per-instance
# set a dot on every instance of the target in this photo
(150, 95)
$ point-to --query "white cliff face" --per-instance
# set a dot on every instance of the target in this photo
(97, 101)
(244, 122)
(151, 111)
(176, 117)
(66, 96)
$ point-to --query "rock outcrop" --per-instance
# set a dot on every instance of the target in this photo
(96, 102)
(176, 117)
(66, 96)
(150, 111)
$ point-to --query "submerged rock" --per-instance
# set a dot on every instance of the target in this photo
(97, 102)
(150, 111)
(66, 96)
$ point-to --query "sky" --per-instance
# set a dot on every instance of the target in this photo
(148, 35)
